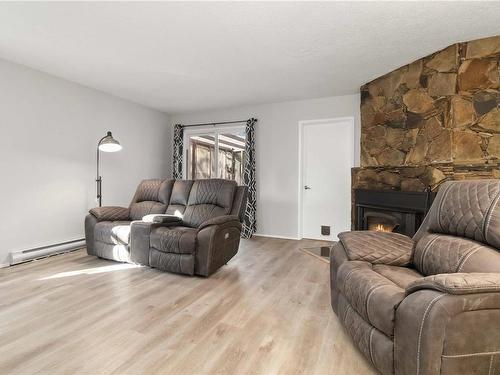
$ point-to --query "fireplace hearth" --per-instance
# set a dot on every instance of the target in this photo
(391, 211)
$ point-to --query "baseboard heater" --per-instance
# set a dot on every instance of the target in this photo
(17, 257)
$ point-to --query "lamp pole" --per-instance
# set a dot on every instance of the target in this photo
(98, 179)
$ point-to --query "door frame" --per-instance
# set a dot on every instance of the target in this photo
(302, 125)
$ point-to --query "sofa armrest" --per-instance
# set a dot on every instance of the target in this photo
(90, 223)
(388, 248)
(219, 220)
(218, 242)
(458, 283)
(110, 213)
(437, 333)
(162, 218)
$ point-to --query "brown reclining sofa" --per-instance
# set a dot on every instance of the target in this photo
(181, 226)
(430, 304)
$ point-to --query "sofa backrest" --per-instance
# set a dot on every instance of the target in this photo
(151, 197)
(195, 201)
(461, 232)
(240, 202)
(469, 209)
(179, 197)
(208, 199)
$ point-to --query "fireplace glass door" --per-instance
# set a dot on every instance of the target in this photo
(382, 222)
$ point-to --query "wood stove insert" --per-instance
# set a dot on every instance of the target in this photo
(391, 211)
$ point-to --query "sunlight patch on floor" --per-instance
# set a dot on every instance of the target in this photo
(91, 271)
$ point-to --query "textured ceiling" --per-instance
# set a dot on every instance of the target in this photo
(180, 57)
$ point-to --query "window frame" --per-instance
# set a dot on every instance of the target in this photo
(205, 130)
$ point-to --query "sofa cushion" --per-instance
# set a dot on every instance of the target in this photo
(112, 232)
(378, 247)
(372, 294)
(117, 252)
(180, 240)
(157, 190)
(209, 199)
(110, 213)
(140, 209)
(469, 209)
(152, 197)
(180, 196)
(440, 253)
(401, 276)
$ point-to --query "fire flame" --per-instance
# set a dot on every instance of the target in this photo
(382, 228)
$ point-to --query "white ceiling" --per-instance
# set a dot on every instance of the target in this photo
(180, 57)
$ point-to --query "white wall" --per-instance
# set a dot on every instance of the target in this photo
(49, 130)
(277, 152)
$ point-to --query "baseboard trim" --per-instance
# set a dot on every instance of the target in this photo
(277, 236)
(17, 257)
(4, 265)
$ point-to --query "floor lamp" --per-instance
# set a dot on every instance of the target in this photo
(106, 144)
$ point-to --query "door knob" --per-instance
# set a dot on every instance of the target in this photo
(307, 187)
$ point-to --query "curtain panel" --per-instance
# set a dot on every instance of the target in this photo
(250, 222)
(178, 152)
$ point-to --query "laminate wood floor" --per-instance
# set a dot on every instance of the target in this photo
(266, 312)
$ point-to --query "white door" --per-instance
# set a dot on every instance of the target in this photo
(327, 158)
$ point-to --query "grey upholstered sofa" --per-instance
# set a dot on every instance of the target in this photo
(428, 305)
(183, 226)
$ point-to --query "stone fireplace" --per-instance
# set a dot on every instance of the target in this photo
(433, 120)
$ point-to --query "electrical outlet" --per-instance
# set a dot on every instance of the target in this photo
(325, 230)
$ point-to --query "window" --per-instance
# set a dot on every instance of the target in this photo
(215, 153)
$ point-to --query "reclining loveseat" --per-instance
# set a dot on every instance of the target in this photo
(182, 226)
(430, 304)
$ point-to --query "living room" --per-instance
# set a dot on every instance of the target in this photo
(250, 187)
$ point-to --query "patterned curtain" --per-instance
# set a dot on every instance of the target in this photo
(178, 146)
(250, 223)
